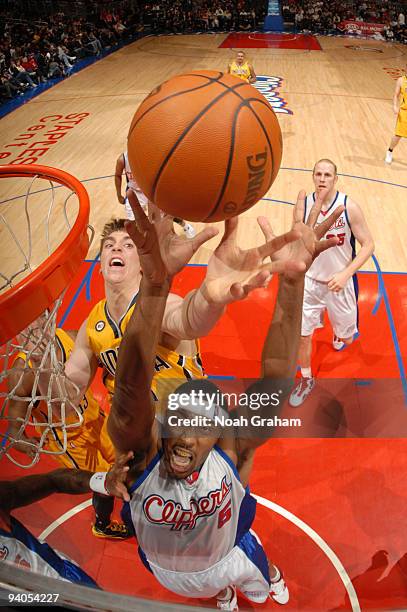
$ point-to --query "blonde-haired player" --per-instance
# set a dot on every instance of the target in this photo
(330, 282)
(400, 109)
(241, 68)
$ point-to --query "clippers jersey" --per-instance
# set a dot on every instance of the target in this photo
(132, 183)
(186, 527)
(19, 547)
(105, 336)
(241, 71)
(337, 258)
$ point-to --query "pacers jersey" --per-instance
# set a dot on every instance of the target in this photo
(132, 183)
(241, 71)
(338, 257)
(403, 93)
(88, 406)
(401, 125)
(19, 547)
(105, 336)
(189, 526)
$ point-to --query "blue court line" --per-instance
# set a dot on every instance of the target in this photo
(85, 282)
(392, 328)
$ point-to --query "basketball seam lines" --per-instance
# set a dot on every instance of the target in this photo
(181, 93)
(229, 164)
(245, 102)
(204, 76)
(185, 132)
(267, 137)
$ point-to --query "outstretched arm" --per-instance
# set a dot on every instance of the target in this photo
(24, 491)
(232, 273)
(118, 178)
(29, 489)
(132, 414)
(279, 357)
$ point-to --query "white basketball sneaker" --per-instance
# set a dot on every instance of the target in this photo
(389, 157)
(337, 343)
(301, 391)
(279, 591)
(229, 602)
(189, 230)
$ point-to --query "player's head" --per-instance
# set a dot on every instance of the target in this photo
(240, 57)
(119, 260)
(191, 428)
(325, 174)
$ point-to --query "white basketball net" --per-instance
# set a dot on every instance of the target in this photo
(38, 404)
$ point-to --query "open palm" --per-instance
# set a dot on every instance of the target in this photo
(233, 272)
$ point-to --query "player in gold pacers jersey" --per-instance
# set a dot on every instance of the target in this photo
(88, 446)
(241, 68)
(105, 335)
(400, 109)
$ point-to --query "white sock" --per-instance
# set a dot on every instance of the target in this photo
(306, 372)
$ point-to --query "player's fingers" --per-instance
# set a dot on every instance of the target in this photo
(230, 232)
(135, 234)
(278, 243)
(299, 208)
(288, 265)
(266, 228)
(323, 245)
(202, 237)
(322, 229)
(139, 214)
(237, 291)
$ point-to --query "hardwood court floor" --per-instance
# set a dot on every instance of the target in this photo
(341, 103)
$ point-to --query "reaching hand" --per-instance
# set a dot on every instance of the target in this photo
(175, 252)
(310, 243)
(233, 272)
(116, 476)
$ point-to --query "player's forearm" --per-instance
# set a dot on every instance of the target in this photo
(14, 494)
(118, 184)
(279, 357)
(198, 315)
(135, 366)
(361, 258)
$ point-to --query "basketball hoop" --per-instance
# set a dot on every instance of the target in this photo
(45, 241)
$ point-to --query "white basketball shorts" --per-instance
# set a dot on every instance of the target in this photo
(246, 567)
(342, 308)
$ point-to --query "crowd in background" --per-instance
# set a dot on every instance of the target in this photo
(42, 40)
(324, 16)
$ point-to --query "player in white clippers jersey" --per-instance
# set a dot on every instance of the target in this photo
(331, 283)
(123, 166)
(20, 547)
(188, 500)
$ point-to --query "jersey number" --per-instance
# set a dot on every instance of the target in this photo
(340, 236)
(225, 514)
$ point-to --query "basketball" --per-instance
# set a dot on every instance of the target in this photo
(205, 146)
